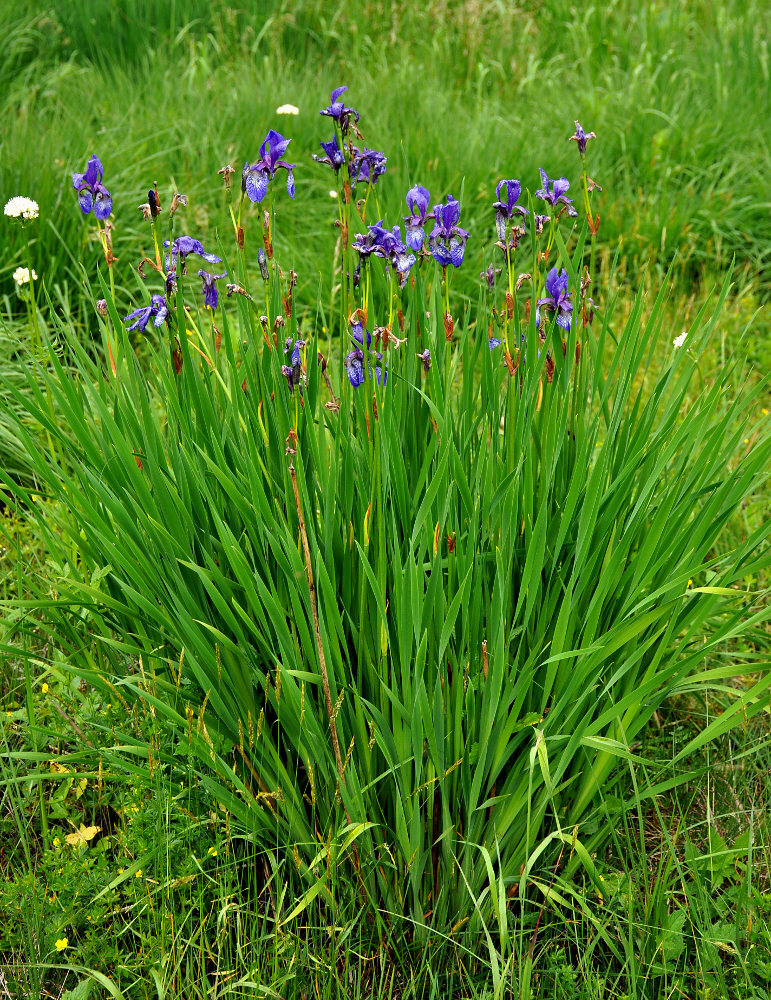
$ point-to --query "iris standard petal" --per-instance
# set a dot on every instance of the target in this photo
(94, 172)
(418, 199)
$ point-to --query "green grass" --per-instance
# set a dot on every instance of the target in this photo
(455, 109)
(665, 889)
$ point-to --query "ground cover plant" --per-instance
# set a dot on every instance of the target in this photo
(373, 566)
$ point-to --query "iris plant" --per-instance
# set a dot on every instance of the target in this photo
(366, 165)
(554, 192)
(92, 194)
(256, 178)
(335, 158)
(337, 110)
(157, 308)
(418, 199)
(447, 241)
(581, 138)
(558, 298)
(504, 210)
(210, 297)
(183, 246)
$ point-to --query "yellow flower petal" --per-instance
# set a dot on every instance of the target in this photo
(62, 943)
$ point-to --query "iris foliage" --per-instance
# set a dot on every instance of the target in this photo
(404, 582)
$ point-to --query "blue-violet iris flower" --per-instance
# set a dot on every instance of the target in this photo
(354, 367)
(366, 165)
(255, 178)
(581, 138)
(293, 371)
(554, 191)
(558, 298)
(335, 157)
(418, 199)
(92, 194)
(157, 308)
(382, 243)
(505, 209)
(210, 298)
(339, 111)
(490, 275)
(447, 241)
(185, 245)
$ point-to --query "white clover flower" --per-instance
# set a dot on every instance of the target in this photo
(287, 109)
(21, 276)
(21, 208)
(679, 341)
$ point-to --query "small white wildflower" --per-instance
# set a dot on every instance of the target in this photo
(333, 194)
(287, 109)
(21, 208)
(679, 341)
(21, 275)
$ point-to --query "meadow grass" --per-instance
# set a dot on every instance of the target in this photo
(178, 94)
(173, 620)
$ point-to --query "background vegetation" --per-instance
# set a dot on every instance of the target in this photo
(165, 899)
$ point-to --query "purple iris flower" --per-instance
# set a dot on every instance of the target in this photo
(382, 243)
(558, 298)
(141, 317)
(494, 342)
(185, 245)
(209, 288)
(339, 111)
(554, 191)
(335, 157)
(418, 199)
(425, 357)
(399, 256)
(377, 241)
(447, 241)
(381, 374)
(581, 138)
(366, 165)
(505, 209)
(255, 178)
(92, 194)
(354, 367)
(293, 371)
(540, 222)
(358, 332)
(490, 275)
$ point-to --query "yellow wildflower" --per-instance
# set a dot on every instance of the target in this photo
(212, 852)
(138, 873)
(44, 687)
(62, 943)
